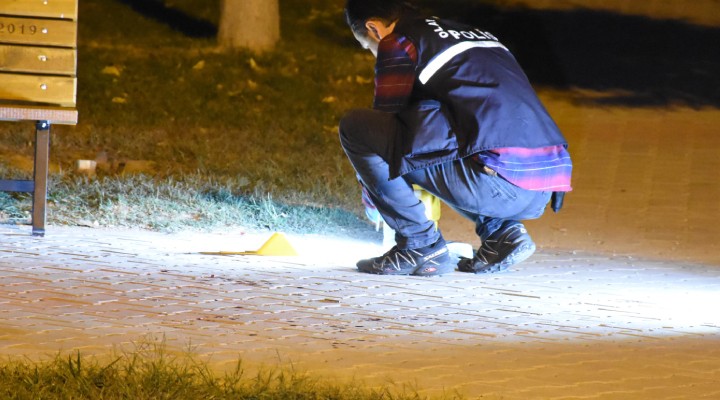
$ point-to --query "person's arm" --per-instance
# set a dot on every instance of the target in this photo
(394, 73)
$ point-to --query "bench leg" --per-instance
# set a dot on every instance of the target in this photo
(42, 155)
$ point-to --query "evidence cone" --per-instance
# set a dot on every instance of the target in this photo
(277, 245)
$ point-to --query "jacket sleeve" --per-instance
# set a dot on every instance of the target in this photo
(394, 73)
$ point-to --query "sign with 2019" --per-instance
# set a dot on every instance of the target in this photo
(18, 29)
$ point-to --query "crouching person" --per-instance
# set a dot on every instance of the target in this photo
(454, 113)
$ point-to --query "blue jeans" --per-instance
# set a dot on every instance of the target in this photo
(368, 138)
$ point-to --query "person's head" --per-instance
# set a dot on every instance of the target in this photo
(372, 20)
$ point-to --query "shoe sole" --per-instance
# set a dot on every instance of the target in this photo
(422, 271)
(432, 270)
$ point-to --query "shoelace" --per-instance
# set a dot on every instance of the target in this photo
(490, 250)
(481, 254)
(394, 257)
(402, 255)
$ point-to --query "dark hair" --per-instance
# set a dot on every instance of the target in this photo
(357, 12)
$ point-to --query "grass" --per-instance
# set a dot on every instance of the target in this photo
(197, 201)
(216, 138)
(151, 372)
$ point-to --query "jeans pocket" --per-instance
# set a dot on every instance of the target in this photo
(502, 188)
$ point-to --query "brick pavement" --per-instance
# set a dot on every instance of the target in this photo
(562, 325)
(703, 12)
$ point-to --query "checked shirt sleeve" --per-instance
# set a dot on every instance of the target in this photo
(394, 73)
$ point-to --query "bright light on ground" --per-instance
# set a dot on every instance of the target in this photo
(665, 301)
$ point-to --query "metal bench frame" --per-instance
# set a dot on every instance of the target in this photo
(43, 118)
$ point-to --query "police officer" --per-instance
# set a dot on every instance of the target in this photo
(454, 113)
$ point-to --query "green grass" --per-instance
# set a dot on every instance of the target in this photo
(151, 372)
(262, 129)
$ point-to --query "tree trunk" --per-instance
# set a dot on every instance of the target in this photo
(250, 24)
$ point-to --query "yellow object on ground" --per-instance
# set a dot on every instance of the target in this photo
(277, 245)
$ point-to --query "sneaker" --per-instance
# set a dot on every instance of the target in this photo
(427, 261)
(508, 246)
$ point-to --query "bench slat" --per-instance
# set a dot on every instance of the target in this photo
(40, 32)
(43, 60)
(55, 115)
(65, 9)
(55, 90)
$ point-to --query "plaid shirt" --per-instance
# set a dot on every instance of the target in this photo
(544, 168)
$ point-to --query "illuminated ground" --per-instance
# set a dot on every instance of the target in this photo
(562, 325)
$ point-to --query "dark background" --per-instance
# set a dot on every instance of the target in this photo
(654, 62)
(637, 61)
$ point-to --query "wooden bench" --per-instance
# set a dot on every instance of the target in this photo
(38, 81)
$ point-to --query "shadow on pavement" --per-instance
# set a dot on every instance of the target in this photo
(638, 60)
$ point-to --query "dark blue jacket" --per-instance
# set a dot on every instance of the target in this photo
(470, 95)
